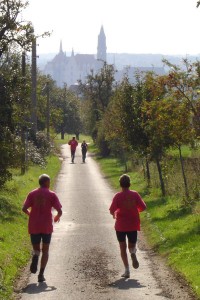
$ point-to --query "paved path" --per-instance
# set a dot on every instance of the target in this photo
(84, 256)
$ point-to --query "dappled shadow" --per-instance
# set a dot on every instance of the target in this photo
(111, 176)
(37, 288)
(8, 211)
(126, 284)
(183, 238)
(175, 214)
(158, 202)
(180, 239)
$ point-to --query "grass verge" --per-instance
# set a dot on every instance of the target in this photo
(172, 229)
(14, 239)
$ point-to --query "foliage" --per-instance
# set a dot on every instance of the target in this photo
(65, 112)
(97, 92)
(153, 115)
(13, 30)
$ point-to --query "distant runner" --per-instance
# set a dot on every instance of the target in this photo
(38, 206)
(73, 144)
(125, 208)
(84, 148)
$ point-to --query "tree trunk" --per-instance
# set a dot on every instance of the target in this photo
(48, 111)
(23, 137)
(23, 155)
(62, 134)
(162, 184)
(148, 172)
(183, 172)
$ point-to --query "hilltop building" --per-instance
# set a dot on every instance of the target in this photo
(70, 69)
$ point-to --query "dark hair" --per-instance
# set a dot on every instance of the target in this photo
(43, 178)
(125, 181)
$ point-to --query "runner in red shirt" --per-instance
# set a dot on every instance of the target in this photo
(125, 208)
(38, 206)
(73, 144)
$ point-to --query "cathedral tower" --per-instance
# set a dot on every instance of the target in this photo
(101, 49)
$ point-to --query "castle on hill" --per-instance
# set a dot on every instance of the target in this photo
(70, 69)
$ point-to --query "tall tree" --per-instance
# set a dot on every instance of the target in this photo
(97, 91)
(13, 30)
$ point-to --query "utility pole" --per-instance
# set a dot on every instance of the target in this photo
(34, 88)
(48, 111)
(23, 137)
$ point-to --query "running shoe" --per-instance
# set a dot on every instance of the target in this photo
(135, 262)
(41, 278)
(34, 263)
(126, 274)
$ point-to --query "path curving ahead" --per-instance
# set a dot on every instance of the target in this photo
(84, 256)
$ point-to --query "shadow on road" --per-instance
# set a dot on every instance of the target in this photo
(125, 284)
(37, 288)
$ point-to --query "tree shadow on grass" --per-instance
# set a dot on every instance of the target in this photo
(157, 202)
(111, 176)
(126, 284)
(37, 288)
(173, 214)
(181, 239)
(8, 211)
(184, 238)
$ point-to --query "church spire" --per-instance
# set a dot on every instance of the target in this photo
(101, 49)
(61, 49)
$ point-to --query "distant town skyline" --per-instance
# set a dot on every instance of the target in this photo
(131, 26)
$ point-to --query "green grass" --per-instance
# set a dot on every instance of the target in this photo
(14, 239)
(170, 228)
(186, 152)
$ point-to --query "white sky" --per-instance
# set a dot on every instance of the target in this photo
(131, 26)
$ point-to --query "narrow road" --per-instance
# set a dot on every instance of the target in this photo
(84, 256)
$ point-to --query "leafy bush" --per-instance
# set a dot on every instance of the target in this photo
(42, 143)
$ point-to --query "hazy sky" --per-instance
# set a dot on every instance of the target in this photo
(131, 26)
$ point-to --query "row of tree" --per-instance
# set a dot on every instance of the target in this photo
(147, 117)
(57, 109)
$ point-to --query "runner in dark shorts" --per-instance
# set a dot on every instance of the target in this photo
(38, 206)
(125, 208)
(73, 144)
(84, 148)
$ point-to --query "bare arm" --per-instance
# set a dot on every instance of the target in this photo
(59, 214)
(25, 210)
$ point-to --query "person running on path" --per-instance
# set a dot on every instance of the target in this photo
(38, 206)
(125, 208)
(84, 148)
(73, 144)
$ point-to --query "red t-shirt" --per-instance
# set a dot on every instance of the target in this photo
(126, 206)
(41, 201)
(73, 144)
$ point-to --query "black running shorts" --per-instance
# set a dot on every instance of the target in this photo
(131, 235)
(37, 238)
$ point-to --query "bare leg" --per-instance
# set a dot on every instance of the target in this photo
(45, 256)
(44, 260)
(35, 257)
(36, 248)
(132, 250)
(131, 247)
(124, 256)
